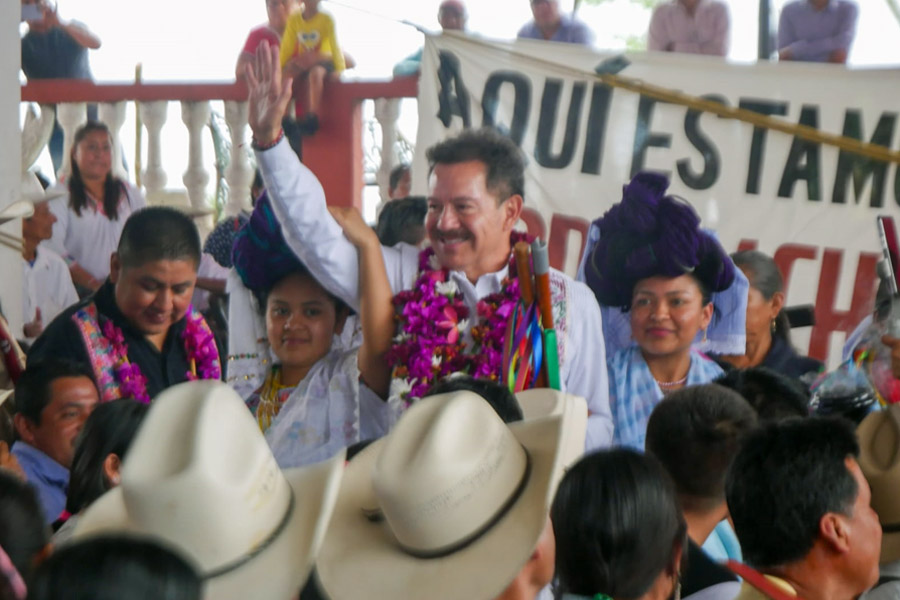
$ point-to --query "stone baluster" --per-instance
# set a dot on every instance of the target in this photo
(153, 116)
(113, 114)
(195, 116)
(70, 117)
(238, 174)
(387, 111)
(36, 132)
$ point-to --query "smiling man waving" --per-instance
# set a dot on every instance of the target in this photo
(138, 333)
(476, 187)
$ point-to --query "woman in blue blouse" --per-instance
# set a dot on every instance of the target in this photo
(655, 263)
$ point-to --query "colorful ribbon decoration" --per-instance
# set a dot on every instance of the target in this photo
(530, 353)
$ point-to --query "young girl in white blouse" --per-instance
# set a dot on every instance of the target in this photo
(318, 390)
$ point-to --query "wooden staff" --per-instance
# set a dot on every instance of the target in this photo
(524, 268)
(542, 282)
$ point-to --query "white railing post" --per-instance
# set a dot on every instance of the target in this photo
(238, 175)
(153, 116)
(195, 116)
(387, 111)
(36, 132)
(113, 115)
(70, 115)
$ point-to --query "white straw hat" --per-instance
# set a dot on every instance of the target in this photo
(544, 402)
(20, 209)
(460, 500)
(879, 460)
(32, 190)
(30, 193)
(200, 477)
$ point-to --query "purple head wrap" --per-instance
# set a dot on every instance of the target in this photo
(260, 254)
(650, 234)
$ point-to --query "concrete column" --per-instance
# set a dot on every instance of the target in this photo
(113, 114)
(239, 175)
(387, 111)
(195, 116)
(153, 116)
(11, 165)
(70, 116)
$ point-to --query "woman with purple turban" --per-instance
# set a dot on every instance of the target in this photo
(311, 398)
(654, 263)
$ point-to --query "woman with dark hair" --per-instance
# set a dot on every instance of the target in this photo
(90, 221)
(654, 263)
(310, 401)
(619, 531)
(24, 536)
(768, 330)
(99, 451)
(112, 568)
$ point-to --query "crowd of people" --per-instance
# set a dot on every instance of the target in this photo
(349, 427)
(808, 30)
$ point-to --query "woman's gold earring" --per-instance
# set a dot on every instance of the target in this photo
(773, 326)
(704, 339)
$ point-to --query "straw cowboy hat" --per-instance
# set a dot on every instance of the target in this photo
(200, 478)
(30, 193)
(20, 209)
(32, 190)
(544, 402)
(450, 504)
(879, 459)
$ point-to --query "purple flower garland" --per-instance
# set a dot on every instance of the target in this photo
(132, 383)
(199, 346)
(432, 319)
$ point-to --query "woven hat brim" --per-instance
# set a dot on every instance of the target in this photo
(276, 573)
(20, 209)
(361, 558)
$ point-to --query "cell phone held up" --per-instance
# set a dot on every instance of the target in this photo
(887, 269)
(32, 12)
(890, 251)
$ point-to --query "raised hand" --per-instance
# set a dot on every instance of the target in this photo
(51, 17)
(269, 94)
(355, 229)
(376, 313)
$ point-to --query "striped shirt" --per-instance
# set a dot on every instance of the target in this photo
(634, 393)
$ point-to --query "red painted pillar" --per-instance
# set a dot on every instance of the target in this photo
(334, 153)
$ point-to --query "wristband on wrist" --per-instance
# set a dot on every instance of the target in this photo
(261, 147)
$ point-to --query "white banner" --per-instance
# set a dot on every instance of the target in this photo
(811, 206)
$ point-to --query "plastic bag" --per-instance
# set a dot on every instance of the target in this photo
(846, 391)
(874, 359)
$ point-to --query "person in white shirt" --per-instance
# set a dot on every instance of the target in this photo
(47, 287)
(89, 222)
(475, 201)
